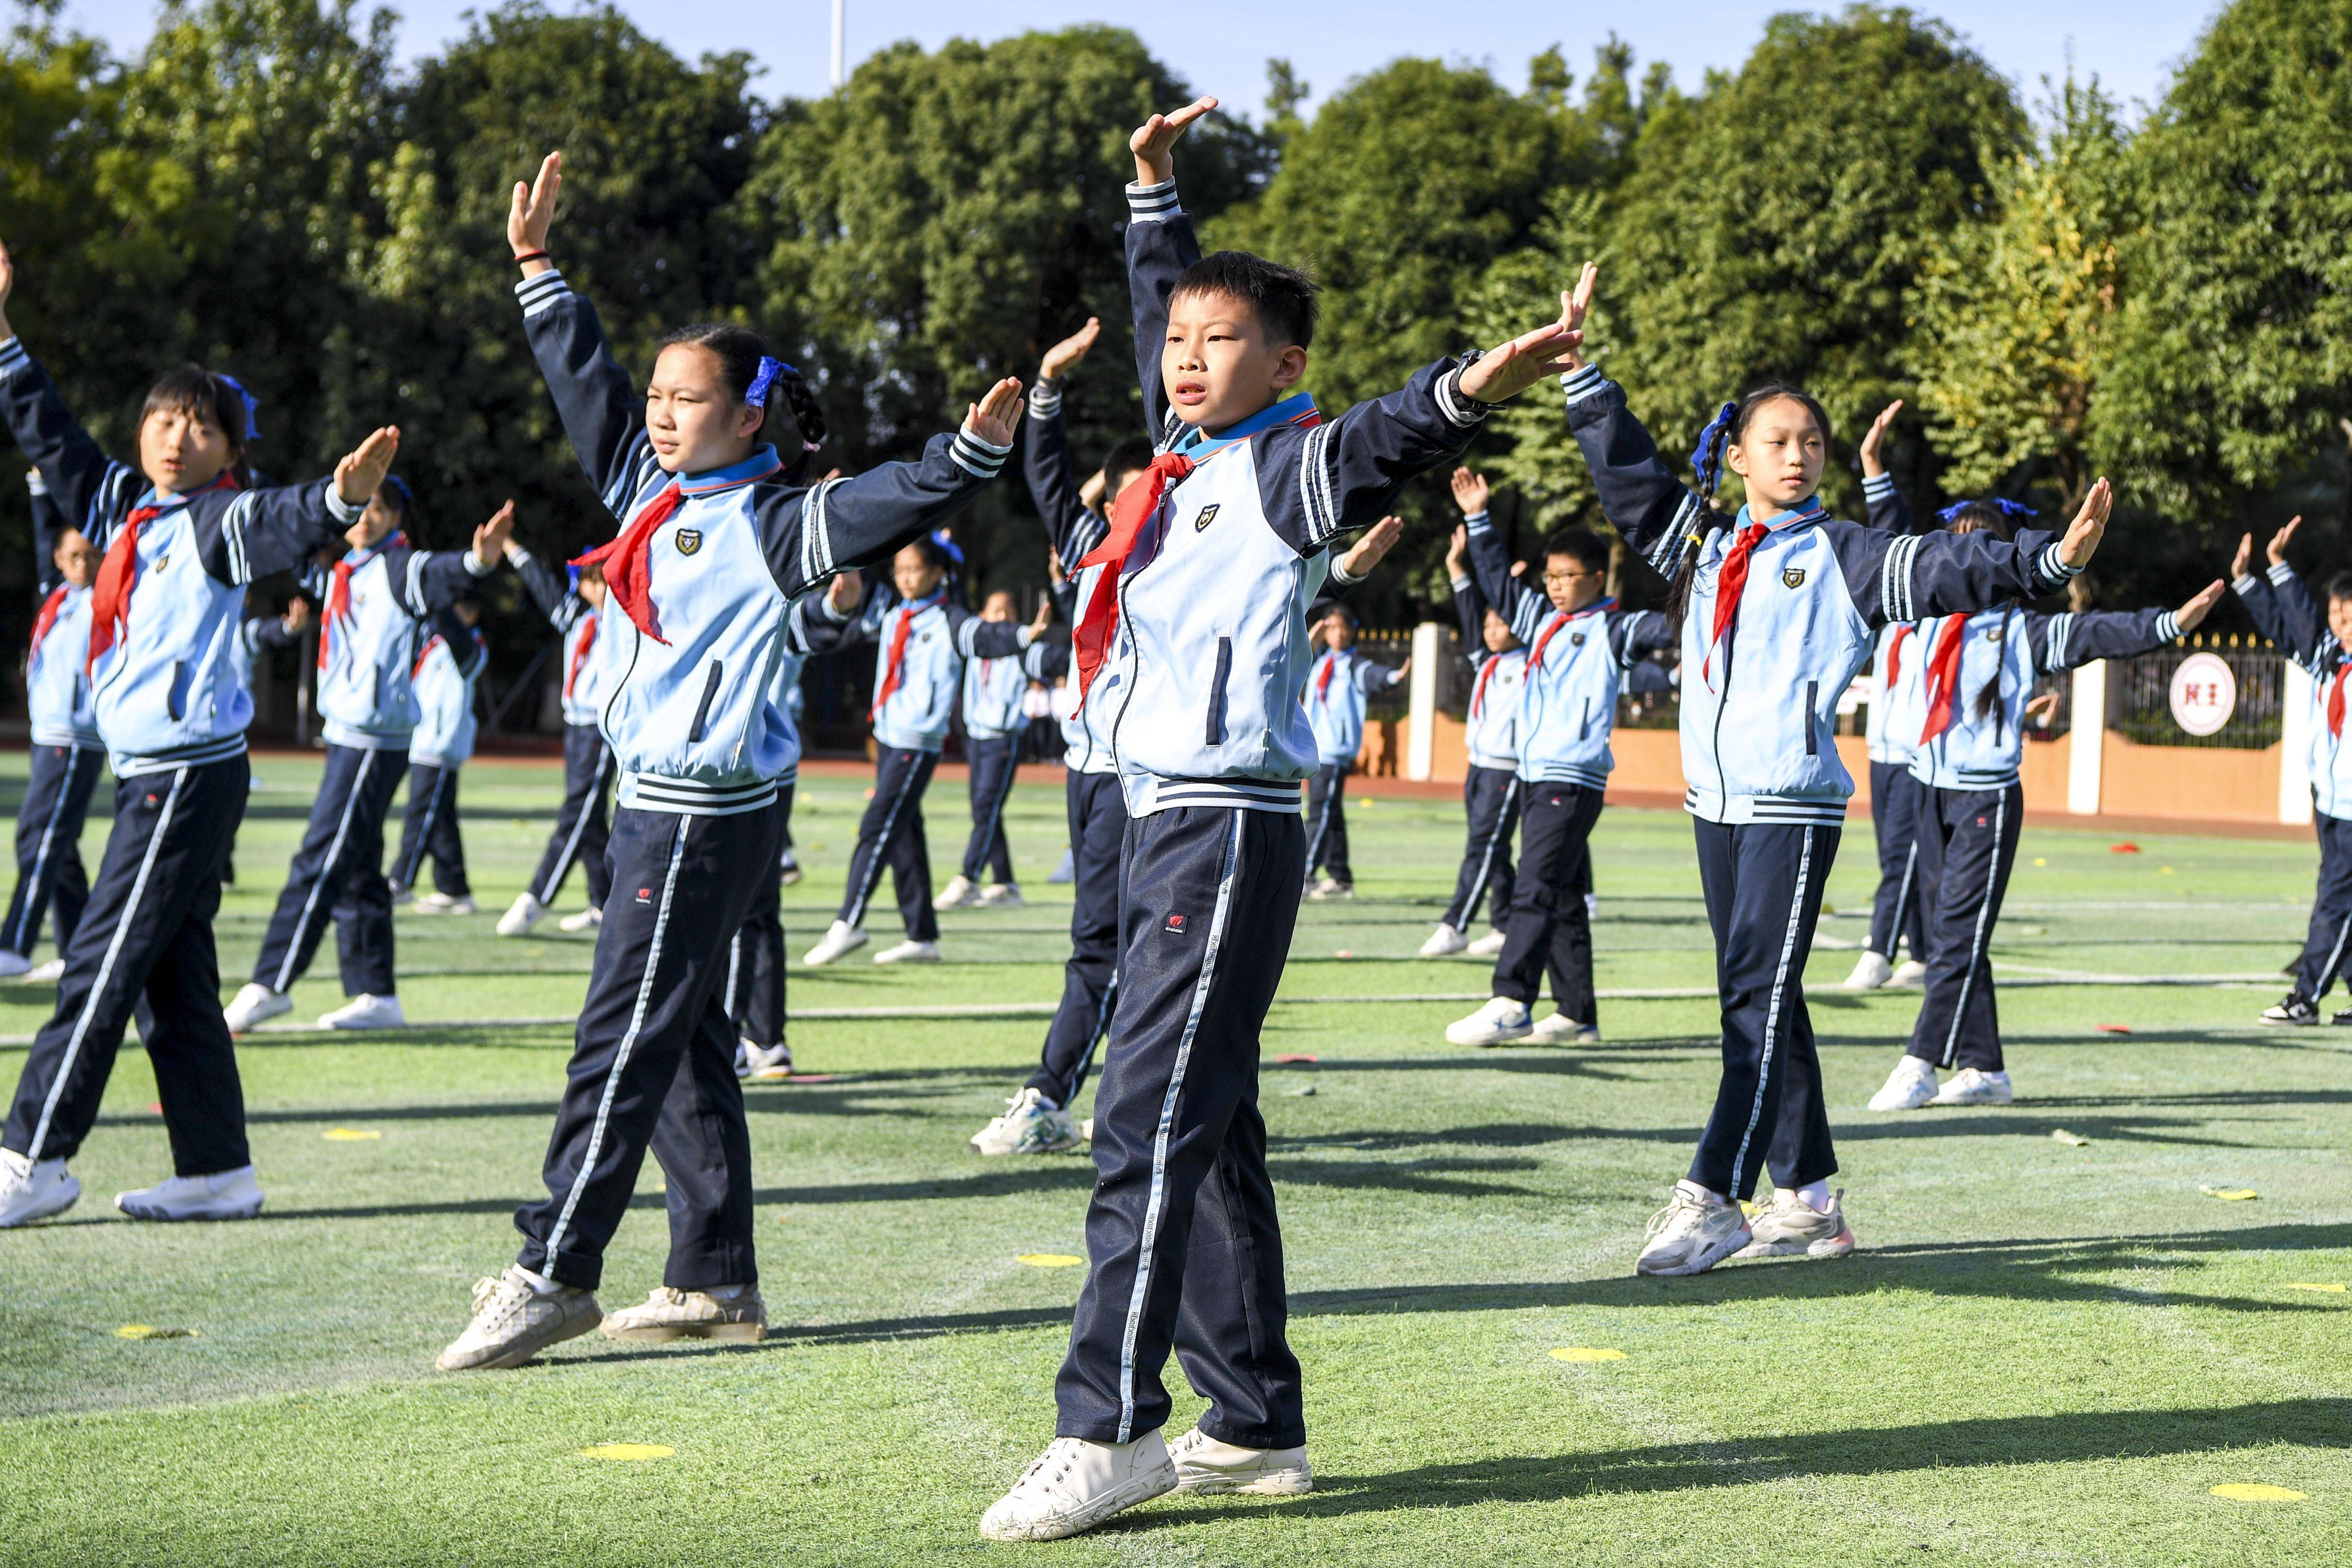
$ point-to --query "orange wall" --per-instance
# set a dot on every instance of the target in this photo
(2197, 782)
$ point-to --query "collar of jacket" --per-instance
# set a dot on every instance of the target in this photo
(1595, 608)
(227, 481)
(1199, 445)
(1808, 510)
(914, 607)
(758, 467)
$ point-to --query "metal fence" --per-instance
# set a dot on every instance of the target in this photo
(2140, 695)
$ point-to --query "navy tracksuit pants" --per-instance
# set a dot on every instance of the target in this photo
(1763, 883)
(653, 1061)
(2329, 944)
(1968, 842)
(581, 833)
(429, 827)
(338, 876)
(754, 994)
(892, 833)
(146, 935)
(994, 759)
(1180, 1231)
(48, 845)
(1550, 927)
(1098, 818)
(1327, 823)
(1491, 797)
(1900, 910)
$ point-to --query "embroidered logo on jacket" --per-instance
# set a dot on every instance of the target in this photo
(1208, 514)
(1576, 639)
(1176, 922)
(688, 540)
(1793, 578)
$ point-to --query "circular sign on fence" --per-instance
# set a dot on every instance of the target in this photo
(2204, 694)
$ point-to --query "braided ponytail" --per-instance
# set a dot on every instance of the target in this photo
(1706, 463)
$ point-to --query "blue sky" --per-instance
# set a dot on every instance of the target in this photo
(1222, 45)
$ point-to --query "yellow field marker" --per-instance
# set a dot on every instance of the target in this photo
(350, 1134)
(627, 1452)
(2259, 1492)
(1049, 1261)
(1586, 1352)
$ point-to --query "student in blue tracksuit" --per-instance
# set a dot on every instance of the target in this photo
(922, 638)
(2316, 635)
(1490, 786)
(182, 539)
(1579, 645)
(574, 603)
(444, 678)
(1778, 605)
(1195, 637)
(1978, 676)
(374, 606)
(67, 752)
(993, 722)
(720, 538)
(1338, 685)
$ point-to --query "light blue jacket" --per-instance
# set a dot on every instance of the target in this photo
(1338, 685)
(368, 653)
(2002, 652)
(445, 700)
(57, 688)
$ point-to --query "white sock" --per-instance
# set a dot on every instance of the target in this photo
(1815, 1194)
(538, 1282)
(1046, 1104)
(727, 1292)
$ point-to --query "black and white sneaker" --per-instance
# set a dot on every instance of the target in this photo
(2343, 1018)
(2294, 1008)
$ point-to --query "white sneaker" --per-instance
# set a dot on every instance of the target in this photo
(909, 952)
(793, 871)
(33, 1189)
(1970, 1087)
(253, 1005)
(1562, 1029)
(1086, 1129)
(1000, 895)
(588, 919)
(366, 1011)
(442, 904)
(1029, 1126)
(224, 1194)
(1490, 945)
(761, 1063)
(1911, 1085)
(13, 964)
(1870, 971)
(1909, 972)
(1205, 1465)
(1075, 1485)
(401, 895)
(1692, 1233)
(1788, 1226)
(48, 974)
(843, 938)
(523, 913)
(734, 1313)
(1443, 942)
(1331, 887)
(959, 891)
(512, 1322)
(1502, 1018)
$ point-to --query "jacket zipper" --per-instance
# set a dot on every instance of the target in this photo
(1813, 719)
(1217, 691)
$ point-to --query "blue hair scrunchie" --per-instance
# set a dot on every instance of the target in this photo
(252, 405)
(756, 394)
(940, 538)
(2007, 507)
(1706, 457)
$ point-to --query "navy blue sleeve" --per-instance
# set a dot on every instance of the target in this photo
(2285, 611)
(1909, 577)
(1886, 506)
(1639, 494)
(812, 627)
(1159, 246)
(1470, 610)
(602, 412)
(550, 588)
(1634, 634)
(243, 536)
(48, 522)
(1315, 483)
(269, 632)
(426, 582)
(811, 535)
(88, 488)
(2064, 640)
(1046, 463)
(977, 639)
(1046, 661)
(1522, 608)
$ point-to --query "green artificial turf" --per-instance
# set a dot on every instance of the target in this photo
(2045, 1350)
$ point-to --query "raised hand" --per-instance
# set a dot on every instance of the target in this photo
(2089, 527)
(532, 211)
(1457, 547)
(1471, 491)
(2276, 549)
(1069, 350)
(1551, 349)
(1154, 141)
(2042, 710)
(2189, 615)
(7, 286)
(995, 416)
(1575, 306)
(1378, 540)
(1039, 622)
(2244, 558)
(1090, 494)
(1054, 573)
(297, 614)
(360, 473)
(490, 538)
(846, 589)
(1872, 466)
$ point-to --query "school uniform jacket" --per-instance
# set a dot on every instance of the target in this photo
(376, 607)
(170, 691)
(1074, 528)
(1338, 685)
(443, 679)
(1491, 723)
(1891, 724)
(1759, 708)
(586, 653)
(688, 710)
(1211, 656)
(1976, 672)
(2286, 613)
(921, 649)
(993, 690)
(1575, 661)
(255, 632)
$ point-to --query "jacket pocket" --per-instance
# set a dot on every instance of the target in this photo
(1216, 736)
(175, 702)
(1813, 719)
(1584, 729)
(709, 695)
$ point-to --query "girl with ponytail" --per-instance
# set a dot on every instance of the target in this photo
(1778, 604)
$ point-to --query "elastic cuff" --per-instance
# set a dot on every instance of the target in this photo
(1152, 204)
(1341, 575)
(1579, 384)
(1045, 400)
(476, 567)
(2244, 585)
(981, 458)
(1461, 409)
(2282, 574)
(13, 357)
(1459, 584)
(541, 293)
(2053, 570)
(343, 511)
(520, 555)
(1877, 487)
(35, 483)
(837, 618)
(1478, 522)
(1023, 637)
(2167, 626)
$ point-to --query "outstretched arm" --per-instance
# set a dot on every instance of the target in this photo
(1636, 633)
(1160, 244)
(243, 536)
(2282, 606)
(88, 488)
(2064, 641)
(1072, 527)
(1918, 575)
(1887, 507)
(429, 581)
(1522, 608)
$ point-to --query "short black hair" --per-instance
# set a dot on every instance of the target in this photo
(1281, 298)
(2340, 585)
(1583, 546)
(199, 393)
(934, 553)
(1132, 456)
(1981, 518)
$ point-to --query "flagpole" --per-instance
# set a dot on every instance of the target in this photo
(837, 30)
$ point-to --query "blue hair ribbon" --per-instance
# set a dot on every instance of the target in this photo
(408, 497)
(940, 538)
(2007, 507)
(252, 405)
(756, 394)
(1706, 458)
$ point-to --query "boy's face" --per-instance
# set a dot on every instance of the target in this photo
(1116, 482)
(179, 451)
(1339, 629)
(997, 606)
(912, 573)
(2339, 620)
(591, 589)
(76, 557)
(372, 526)
(1780, 455)
(1219, 366)
(1569, 583)
(1500, 639)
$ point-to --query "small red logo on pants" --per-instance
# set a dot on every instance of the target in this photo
(1176, 924)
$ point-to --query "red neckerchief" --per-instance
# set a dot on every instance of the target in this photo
(1729, 582)
(1895, 657)
(1562, 617)
(337, 608)
(1323, 676)
(580, 655)
(110, 604)
(1943, 677)
(2335, 701)
(896, 665)
(430, 643)
(46, 618)
(1478, 692)
(1090, 639)
(627, 562)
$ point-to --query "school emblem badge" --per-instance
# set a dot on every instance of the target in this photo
(1208, 514)
(1993, 635)
(688, 540)
(1793, 578)
(1576, 639)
